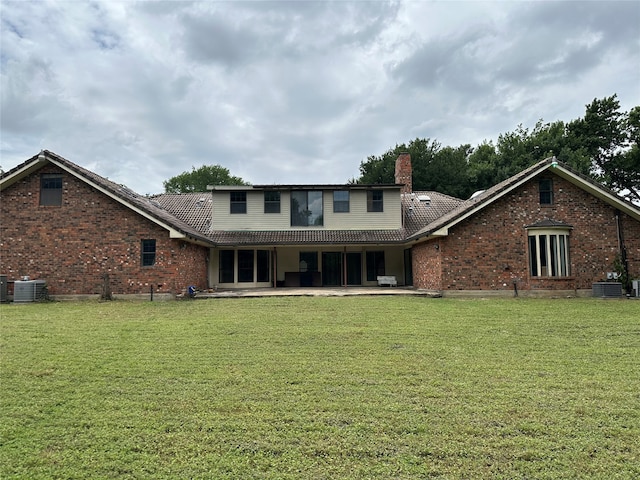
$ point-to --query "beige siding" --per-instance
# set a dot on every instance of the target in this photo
(255, 218)
(356, 219)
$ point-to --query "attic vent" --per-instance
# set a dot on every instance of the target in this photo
(476, 194)
(200, 202)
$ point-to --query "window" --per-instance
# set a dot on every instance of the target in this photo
(263, 266)
(148, 249)
(374, 201)
(549, 253)
(545, 187)
(375, 265)
(238, 202)
(227, 260)
(245, 265)
(308, 262)
(306, 208)
(51, 189)
(340, 201)
(271, 202)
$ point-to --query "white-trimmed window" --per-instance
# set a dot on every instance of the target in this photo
(549, 252)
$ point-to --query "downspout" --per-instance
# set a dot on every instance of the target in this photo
(623, 253)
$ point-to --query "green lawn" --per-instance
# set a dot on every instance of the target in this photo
(352, 387)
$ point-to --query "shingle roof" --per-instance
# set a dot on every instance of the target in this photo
(475, 202)
(418, 213)
(192, 208)
(120, 192)
(424, 212)
(299, 237)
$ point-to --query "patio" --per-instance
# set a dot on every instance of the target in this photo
(315, 292)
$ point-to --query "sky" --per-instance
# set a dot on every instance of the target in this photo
(296, 92)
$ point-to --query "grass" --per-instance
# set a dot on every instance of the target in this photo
(289, 388)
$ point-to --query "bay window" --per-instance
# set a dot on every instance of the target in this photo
(549, 252)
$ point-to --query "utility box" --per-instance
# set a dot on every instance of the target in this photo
(28, 290)
(4, 297)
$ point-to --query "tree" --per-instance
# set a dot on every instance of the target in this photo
(434, 168)
(605, 145)
(197, 180)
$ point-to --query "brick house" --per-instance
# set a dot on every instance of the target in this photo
(71, 227)
(547, 229)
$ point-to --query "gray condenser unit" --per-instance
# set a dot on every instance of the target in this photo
(607, 289)
(28, 290)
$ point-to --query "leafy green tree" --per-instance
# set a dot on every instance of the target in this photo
(434, 168)
(605, 145)
(482, 164)
(608, 139)
(197, 179)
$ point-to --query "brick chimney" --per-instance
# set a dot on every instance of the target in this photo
(403, 172)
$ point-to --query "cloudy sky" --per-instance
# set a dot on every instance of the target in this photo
(295, 92)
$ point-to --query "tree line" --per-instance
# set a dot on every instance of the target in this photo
(604, 144)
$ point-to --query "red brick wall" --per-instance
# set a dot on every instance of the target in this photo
(489, 251)
(72, 246)
(426, 264)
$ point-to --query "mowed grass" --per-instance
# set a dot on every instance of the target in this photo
(295, 388)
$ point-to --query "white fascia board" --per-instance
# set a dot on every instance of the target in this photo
(19, 174)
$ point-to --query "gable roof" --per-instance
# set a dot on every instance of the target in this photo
(441, 226)
(146, 207)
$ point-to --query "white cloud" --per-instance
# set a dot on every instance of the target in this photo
(295, 92)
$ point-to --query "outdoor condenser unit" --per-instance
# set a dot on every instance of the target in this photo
(636, 287)
(607, 289)
(28, 290)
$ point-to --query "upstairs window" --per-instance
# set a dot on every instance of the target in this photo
(375, 201)
(51, 189)
(340, 201)
(306, 208)
(549, 253)
(545, 187)
(271, 202)
(148, 249)
(238, 202)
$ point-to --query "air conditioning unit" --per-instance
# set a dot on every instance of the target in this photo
(606, 289)
(635, 284)
(28, 290)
